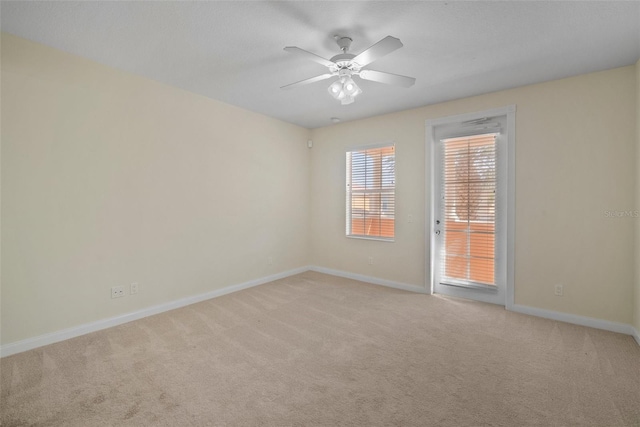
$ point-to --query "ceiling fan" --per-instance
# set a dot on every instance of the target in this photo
(346, 65)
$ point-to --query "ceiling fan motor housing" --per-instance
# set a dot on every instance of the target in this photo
(343, 60)
(344, 72)
(344, 43)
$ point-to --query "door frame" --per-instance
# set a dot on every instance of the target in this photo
(430, 178)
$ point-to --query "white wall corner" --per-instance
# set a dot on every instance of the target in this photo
(76, 331)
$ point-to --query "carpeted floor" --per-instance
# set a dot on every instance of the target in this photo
(317, 350)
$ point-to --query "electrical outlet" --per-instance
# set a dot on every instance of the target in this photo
(133, 289)
(270, 260)
(559, 290)
(370, 260)
(410, 218)
(117, 291)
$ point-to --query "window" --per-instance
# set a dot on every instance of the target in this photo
(371, 182)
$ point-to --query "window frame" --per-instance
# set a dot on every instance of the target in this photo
(380, 190)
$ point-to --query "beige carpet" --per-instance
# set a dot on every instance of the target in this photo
(316, 350)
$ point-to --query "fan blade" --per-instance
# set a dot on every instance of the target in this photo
(307, 81)
(309, 55)
(387, 78)
(378, 50)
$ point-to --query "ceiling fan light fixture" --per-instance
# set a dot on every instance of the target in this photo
(344, 90)
(335, 88)
(351, 88)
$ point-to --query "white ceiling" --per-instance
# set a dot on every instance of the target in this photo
(232, 50)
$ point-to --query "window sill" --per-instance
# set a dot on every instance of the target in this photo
(379, 239)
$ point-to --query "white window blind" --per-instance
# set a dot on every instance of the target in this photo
(469, 209)
(371, 182)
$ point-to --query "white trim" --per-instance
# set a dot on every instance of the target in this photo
(429, 209)
(636, 335)
(511, 205)
(76, 331)
(591, 322)
(369, 279)
(378, 239)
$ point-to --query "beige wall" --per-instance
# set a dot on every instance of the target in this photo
(109, 178)
(575, 145)
(637, 197)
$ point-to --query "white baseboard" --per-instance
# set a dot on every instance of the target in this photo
(369, 279)
(538, 312)
(591, 322)
(76, 331)
(65, 334)
(636, 335)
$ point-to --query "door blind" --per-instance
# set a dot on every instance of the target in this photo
(468, 210)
